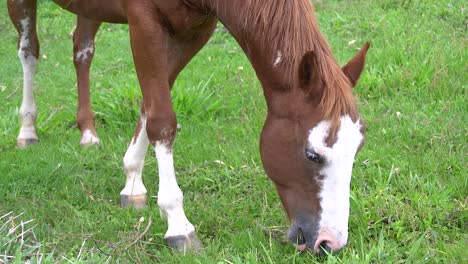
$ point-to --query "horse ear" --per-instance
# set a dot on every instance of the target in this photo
(354, 67)
(308, 70)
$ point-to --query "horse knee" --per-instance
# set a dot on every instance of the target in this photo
(161, 126)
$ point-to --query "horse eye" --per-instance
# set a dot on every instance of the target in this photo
(313, 156)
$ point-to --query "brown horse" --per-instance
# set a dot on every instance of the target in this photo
(312, 129)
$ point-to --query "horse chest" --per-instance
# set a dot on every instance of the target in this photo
(179, 19)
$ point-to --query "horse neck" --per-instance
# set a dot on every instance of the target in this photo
(276, 66)
(261, 58)
(267, 30)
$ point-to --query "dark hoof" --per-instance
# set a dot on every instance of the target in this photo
(184, 244)
(135, 201)
(24, 142)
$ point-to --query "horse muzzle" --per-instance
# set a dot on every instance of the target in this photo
(309, 235)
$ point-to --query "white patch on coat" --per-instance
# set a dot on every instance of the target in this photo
(278, 59)
(28, 111)
(170, 197)
(83, 54)
(134, 160)
(337, 170)
(25, 23)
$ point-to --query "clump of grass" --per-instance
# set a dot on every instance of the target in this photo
(116, 104)
(121, 105)
(18, 242)
(195, 101)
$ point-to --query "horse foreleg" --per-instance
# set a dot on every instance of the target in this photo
(23, 16)
(180, 52)
(83, 52)
(149, 41)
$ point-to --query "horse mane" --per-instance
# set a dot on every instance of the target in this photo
(290, 26)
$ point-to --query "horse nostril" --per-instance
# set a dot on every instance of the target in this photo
(300, 237)
(297, 237)
(327, 244)
(324, 249)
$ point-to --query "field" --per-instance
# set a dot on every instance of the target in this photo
(59, 203)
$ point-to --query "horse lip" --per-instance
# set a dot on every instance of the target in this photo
(296, 236)
(302, 234)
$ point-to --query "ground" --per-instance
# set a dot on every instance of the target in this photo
(409, 186)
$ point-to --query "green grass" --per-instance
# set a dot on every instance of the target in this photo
(409, 189)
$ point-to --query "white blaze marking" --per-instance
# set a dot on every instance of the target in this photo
(337, 177)
(88, 138)
(28, 110)
(134, 161)
(82, 54)
(170, 197)
(278, 59)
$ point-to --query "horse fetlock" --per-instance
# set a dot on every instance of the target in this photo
(28, 115)
(85, 120)
(27, 136)
(134, 184)
(170, 201)
(178, 224)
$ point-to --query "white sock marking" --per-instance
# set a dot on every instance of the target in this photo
(337, 176)
(28, 112)
(170, 197)
(134, 161)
